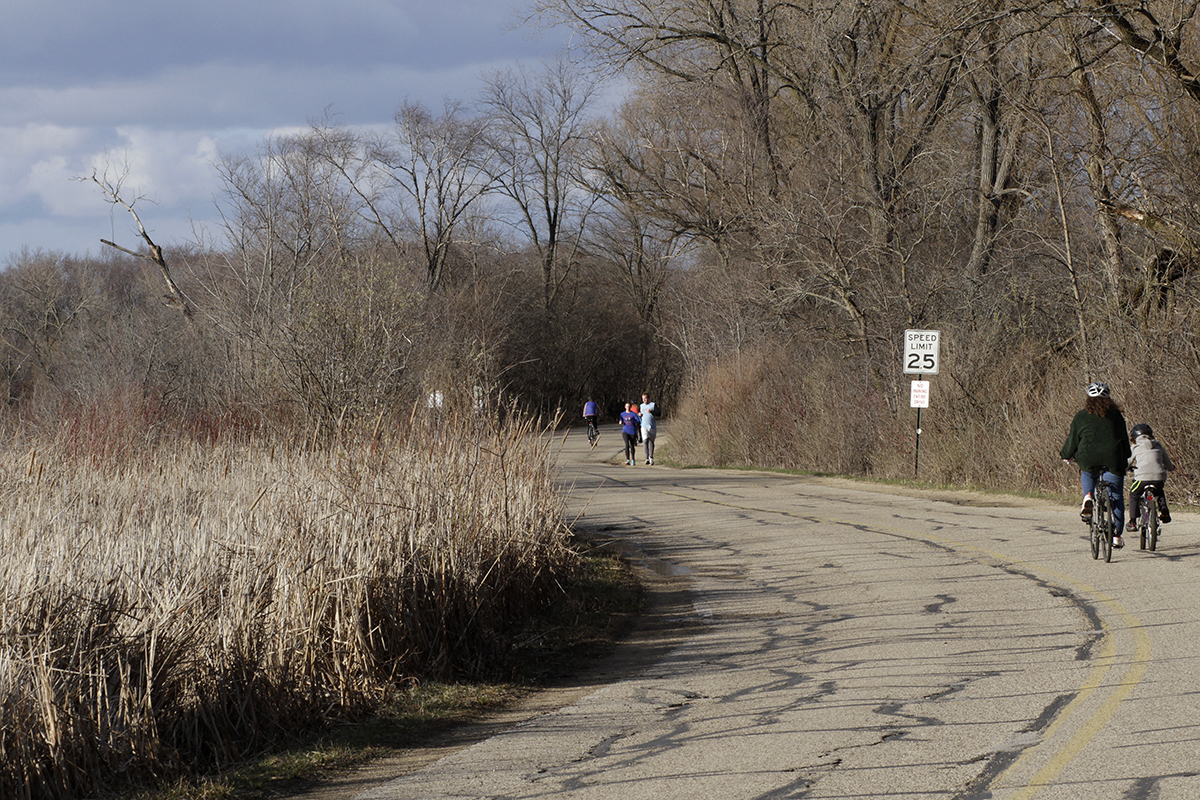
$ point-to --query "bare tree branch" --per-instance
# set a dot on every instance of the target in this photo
(113, 192)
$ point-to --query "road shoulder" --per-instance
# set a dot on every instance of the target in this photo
(667, 619)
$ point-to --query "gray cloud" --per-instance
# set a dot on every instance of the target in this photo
(167, 86)
(56, 42)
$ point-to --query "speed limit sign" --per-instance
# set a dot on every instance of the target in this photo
(921, 352)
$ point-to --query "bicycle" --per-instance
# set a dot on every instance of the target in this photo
(1101, 527)
(592, 433)
(1148, 519)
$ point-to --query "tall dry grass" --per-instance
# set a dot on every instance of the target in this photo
(182, 607)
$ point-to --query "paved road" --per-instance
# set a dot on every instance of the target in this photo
(836, 640)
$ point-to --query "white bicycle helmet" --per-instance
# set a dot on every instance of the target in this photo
(1098, 390)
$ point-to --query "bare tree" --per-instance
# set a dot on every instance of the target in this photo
(538, 130)
(734, 44)
(1002, 77)
(313, 307)
(679, 154)
(42, 299)
(112, 187)
(1154, 30)
(288, 213)
(436, 171)
(1098, 159)
(638, 249)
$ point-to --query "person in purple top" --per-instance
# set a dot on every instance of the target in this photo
(591, 413)
(631, 424)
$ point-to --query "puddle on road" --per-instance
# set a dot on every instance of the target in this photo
(659, 566)
(667, 569)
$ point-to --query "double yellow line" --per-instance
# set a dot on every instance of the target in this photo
(1091, 727)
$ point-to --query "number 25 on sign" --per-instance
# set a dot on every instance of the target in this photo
(921, 352)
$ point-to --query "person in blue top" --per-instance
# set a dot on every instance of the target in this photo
(631, 424)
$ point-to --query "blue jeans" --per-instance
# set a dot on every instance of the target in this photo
(1088, 482)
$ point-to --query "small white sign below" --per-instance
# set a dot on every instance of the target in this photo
(919, 395)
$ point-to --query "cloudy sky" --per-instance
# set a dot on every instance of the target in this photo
(166, 87)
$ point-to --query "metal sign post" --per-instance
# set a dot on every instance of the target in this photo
(918, 399)
(920, 357)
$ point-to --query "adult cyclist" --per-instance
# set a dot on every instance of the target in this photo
(1098, 438)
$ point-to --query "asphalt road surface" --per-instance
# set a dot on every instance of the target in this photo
(818, 638)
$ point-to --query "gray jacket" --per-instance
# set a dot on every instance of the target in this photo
(1149, 461)
(648, 423)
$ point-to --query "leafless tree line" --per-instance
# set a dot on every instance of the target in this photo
(790, 184)
(473, 252)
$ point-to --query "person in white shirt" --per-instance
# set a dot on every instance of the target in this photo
(649, 426)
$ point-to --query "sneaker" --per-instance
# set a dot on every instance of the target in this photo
(650, 461)
(1164, 516)
(1118, 543)
(1131, 527)
(1086, 508)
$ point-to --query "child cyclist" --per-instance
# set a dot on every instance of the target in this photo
(1149, 465)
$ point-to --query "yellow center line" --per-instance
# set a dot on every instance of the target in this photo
(1090, 727)
(1094, 724)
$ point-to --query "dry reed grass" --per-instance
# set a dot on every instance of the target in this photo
(997, 424)
(181, 608)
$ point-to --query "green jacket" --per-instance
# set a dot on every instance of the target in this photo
(1098, 442)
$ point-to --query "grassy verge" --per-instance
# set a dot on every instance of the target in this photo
(598, 605)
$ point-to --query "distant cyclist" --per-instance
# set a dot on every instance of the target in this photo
(1098, 438)
(591, 412)
(1150, 464)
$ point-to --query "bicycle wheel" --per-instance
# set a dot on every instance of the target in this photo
(1104, 516)
(1094, 532)
(1143, 524)
(1150, 504)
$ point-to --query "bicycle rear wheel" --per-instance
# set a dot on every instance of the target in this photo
(1142, 524)
(1094, 533)
(1150, 504)
(1104, 515)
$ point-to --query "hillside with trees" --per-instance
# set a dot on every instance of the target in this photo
(783, 190)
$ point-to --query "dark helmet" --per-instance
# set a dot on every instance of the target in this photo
(1141, 429)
